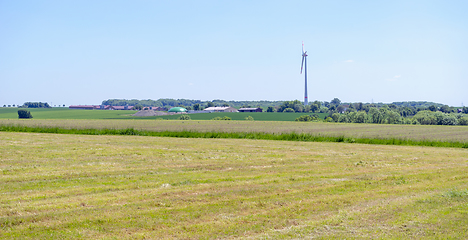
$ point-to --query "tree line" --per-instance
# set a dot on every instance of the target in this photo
(188, 103)
(276, 106)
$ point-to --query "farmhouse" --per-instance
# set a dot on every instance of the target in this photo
(220, 109)
(250, 110)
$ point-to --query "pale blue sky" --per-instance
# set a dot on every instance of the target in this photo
(83, 52)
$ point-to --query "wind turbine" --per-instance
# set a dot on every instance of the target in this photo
(304, 57)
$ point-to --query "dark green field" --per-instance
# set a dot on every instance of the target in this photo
(65, 113)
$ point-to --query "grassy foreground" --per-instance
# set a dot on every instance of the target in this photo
(122, 187)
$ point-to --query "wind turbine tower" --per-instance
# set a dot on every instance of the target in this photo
(304, 58)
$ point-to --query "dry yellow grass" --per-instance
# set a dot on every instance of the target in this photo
(122, 187)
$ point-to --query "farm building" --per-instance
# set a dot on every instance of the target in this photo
(250, 110)
(177, 110)
(100, 107)
(158, 108)
(87, 107)
(220, 109)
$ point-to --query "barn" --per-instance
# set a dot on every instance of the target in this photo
(250, 110)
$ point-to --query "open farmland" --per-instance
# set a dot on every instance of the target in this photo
(78, 186)
(355, 130)
(65, 113)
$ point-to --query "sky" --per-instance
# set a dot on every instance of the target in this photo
(84, 52)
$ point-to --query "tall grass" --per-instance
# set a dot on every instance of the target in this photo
(305, 137)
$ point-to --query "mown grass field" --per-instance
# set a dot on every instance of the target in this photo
(65, 113)
(383, 131)
(127, 187)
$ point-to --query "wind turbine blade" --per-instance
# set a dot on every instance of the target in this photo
(302, 47)
(302, 64)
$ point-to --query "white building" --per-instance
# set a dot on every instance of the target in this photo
(220, 109)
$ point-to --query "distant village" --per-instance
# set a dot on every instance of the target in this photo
(173, 110)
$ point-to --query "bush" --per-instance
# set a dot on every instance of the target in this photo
(343, 118)
(222, 118)
(24, 114)
(305, 118)
(328, 119)
(249, 118)
(449, 120)
(184, 117)
(426, 118)
(361, 117)
(335, 117)
(463, 121)
(288, 110)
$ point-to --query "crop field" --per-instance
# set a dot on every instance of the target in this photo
(126, 187)
(65, 113)
(382, 131)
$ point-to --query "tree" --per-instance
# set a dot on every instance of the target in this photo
(445, 109)
(288, 110)
(290, 104)
(24, 114)
(335, 101)
(314, 107)
(344, 118)
(298, 107)
(426, 118)
(449, 120)
(318, 103)
(335, 117)
(361, 117)
(225, 105)
(463, 121)
(359, 106)
(209, 104)
(340, 109)
(196, 106)
(432, 108)
(35, 105)
(375, 116)
(137, 107)
(270, 109)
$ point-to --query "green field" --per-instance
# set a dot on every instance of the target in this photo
(127, 187)
(65, 113)
(351, 130)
